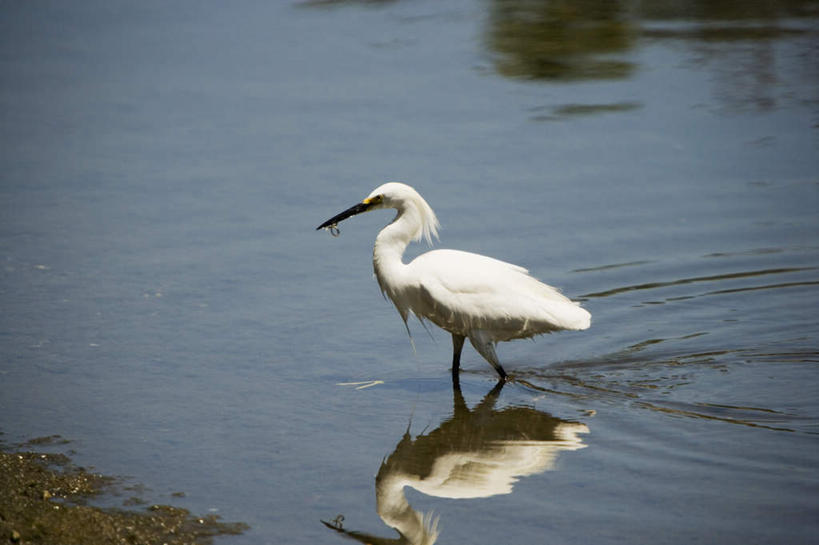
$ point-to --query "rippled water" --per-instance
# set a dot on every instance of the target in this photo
(168, 306)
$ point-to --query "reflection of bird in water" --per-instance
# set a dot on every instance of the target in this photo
(475, 454)
(470, 295)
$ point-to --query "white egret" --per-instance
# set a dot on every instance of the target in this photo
(469, 295)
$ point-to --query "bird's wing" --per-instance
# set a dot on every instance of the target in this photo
(462, 292)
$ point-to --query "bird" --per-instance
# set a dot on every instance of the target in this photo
(469, 295)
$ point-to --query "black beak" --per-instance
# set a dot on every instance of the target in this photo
(352, 211)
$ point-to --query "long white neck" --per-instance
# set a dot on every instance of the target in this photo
(389, 249)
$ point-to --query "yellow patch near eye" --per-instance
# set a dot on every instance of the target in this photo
(371, 200)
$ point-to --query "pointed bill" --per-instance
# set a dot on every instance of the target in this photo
(352, 211)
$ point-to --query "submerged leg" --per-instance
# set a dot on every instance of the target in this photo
(457, 346)
(486, 348)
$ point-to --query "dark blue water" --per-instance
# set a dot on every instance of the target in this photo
(168, 306)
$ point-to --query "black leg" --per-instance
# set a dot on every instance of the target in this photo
(457, 346)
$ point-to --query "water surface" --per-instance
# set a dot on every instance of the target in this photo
(168, 306)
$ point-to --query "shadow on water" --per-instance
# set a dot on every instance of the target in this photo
(476, 453)
(562, 41)
(568, 41)
(572, 41)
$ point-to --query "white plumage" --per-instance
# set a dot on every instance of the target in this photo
(471, 296)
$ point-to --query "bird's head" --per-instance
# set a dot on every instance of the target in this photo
(393, 195)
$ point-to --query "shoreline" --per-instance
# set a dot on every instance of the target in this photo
(44, 501)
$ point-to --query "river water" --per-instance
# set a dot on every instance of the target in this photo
(168, 306)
